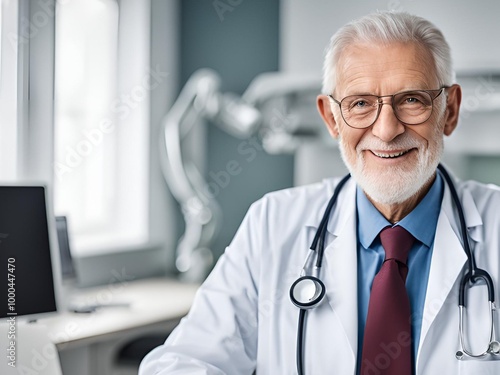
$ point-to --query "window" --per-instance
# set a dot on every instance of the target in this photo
(1, 32)
(101, 115)
(8, 89)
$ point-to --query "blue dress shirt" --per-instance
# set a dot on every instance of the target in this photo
(421, 223)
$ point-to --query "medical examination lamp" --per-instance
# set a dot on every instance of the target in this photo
(199, 99)
(273, 106)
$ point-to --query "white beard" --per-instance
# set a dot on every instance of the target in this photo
(395, 185)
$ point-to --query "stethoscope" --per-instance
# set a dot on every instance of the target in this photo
(308, 291)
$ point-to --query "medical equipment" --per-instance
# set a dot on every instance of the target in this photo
(280, 108)
(308, 291)
(200, 98)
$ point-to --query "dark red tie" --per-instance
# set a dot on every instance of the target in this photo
(387, 339)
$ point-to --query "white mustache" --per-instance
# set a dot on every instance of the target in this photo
(402, 142)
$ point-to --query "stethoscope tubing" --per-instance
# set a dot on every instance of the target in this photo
(473, 274)
(300, 341)
(318, 243)
(318, 246)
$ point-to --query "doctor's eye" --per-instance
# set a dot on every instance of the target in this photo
(357, 104)
(410, 99)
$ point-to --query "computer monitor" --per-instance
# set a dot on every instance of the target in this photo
(68, 271)
(28, 252)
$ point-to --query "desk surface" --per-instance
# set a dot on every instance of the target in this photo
(150, 301)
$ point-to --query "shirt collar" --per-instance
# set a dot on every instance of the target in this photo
(417, 222)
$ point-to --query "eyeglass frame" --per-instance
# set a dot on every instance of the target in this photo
(380, 103)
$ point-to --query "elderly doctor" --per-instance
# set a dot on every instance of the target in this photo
(379, 293)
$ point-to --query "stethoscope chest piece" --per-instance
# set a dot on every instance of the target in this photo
(494, 347)
(307, 292)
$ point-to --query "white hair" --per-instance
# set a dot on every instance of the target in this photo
(385, 28)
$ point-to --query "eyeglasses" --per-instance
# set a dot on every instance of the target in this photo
(410, 107)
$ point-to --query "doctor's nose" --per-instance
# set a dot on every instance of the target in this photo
(387, 126)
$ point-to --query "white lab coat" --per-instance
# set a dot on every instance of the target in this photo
(242, 318)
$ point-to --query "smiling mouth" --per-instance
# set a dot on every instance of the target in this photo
(390, 155)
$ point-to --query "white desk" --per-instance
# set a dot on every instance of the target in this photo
(88, 342)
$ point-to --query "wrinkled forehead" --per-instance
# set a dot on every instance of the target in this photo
(384, 69)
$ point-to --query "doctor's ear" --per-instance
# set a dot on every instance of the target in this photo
(325, 110)
(452, 108)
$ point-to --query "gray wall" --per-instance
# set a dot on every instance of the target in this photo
(239, 39)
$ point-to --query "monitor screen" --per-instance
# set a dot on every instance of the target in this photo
(25, 252)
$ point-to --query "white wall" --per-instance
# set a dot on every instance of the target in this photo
(471, 28)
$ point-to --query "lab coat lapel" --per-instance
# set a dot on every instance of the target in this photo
(340, 265)
(448, 258)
